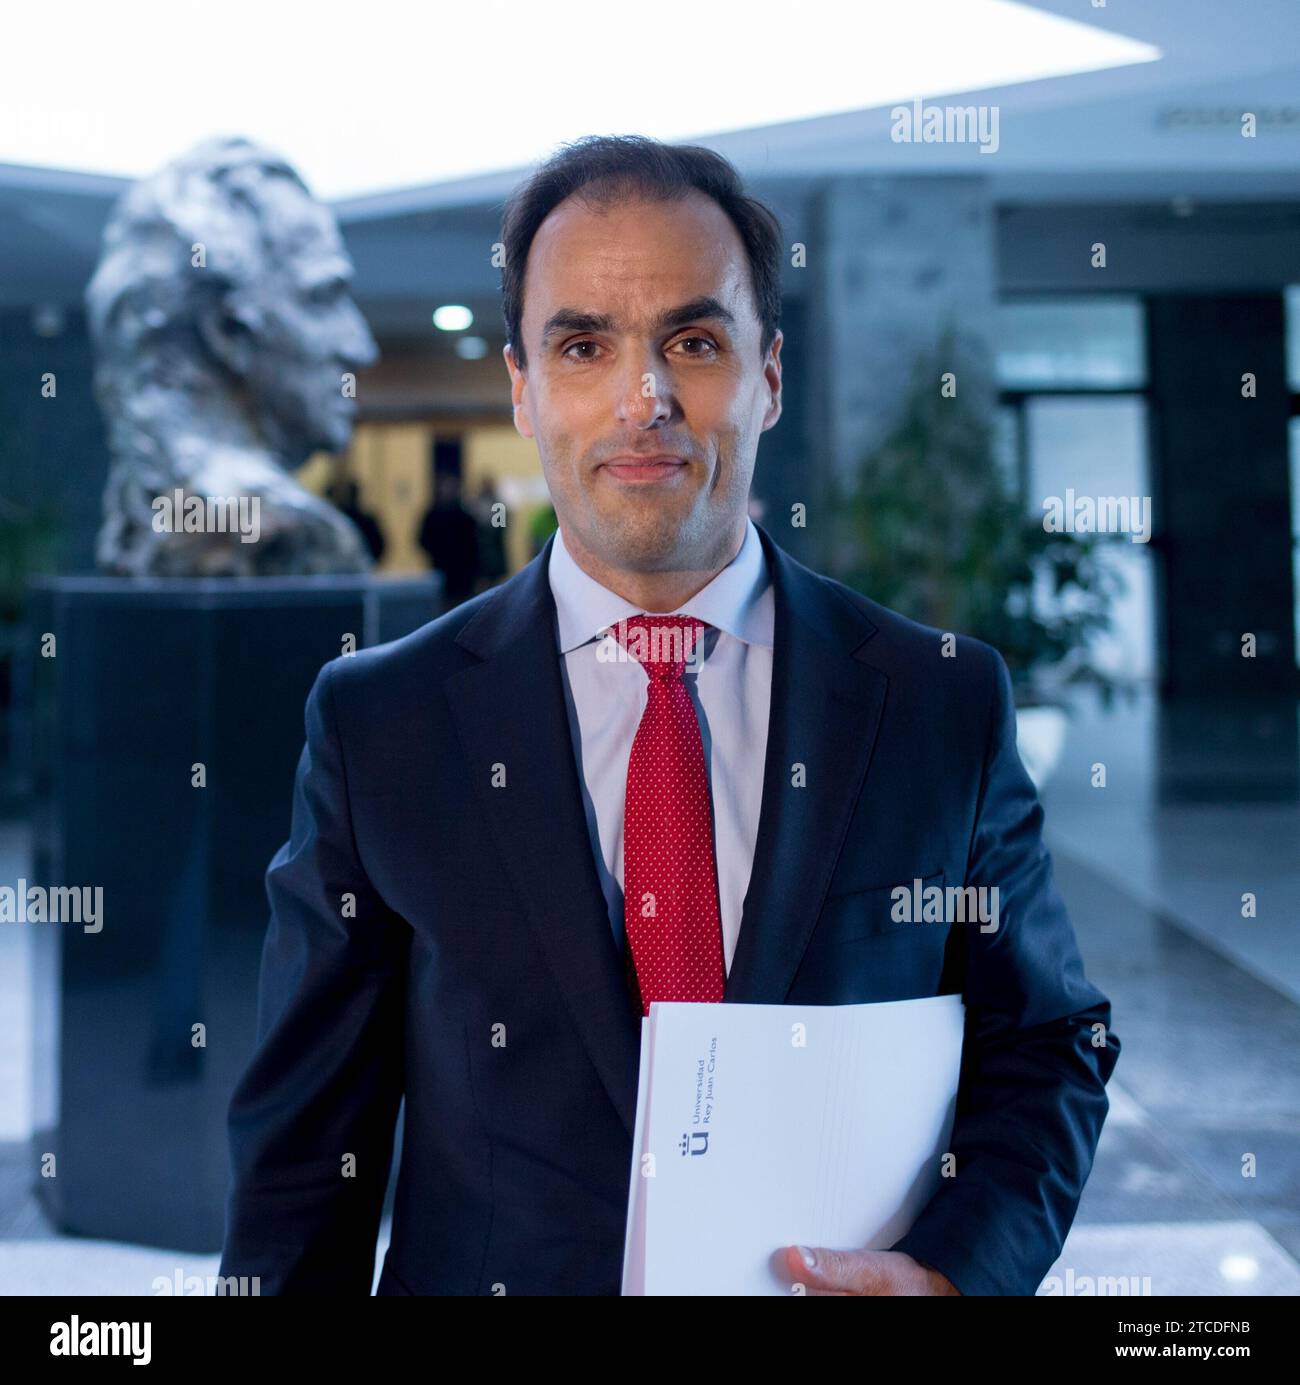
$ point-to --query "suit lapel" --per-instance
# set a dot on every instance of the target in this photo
(509, 709)
(825, 713)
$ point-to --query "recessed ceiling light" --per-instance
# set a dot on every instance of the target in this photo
(471, 348)
(452, 317)
(1239, 1269)
(48, 320)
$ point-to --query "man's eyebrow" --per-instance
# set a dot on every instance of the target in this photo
(574, 320)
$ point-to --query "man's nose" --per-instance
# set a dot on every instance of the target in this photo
(645, 390)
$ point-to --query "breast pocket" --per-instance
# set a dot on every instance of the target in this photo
(874, 912)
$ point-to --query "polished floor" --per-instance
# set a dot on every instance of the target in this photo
(1206, 1004)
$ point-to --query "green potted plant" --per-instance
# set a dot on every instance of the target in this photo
(929, 526)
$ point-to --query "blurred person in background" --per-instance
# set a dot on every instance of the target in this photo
(345, 495)
(491, 537)
(449, 535)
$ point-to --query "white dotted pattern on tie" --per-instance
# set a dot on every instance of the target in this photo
(668, 827)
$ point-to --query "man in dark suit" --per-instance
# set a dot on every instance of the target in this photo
(663, 761)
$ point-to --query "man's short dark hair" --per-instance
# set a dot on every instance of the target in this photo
(613, 168)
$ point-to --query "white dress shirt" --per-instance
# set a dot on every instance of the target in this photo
(730, 686)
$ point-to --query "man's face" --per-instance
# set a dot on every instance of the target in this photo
(308, 331)
(642, 338)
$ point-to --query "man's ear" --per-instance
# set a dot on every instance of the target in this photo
(229, 333)
(518, 383)
(772, 374)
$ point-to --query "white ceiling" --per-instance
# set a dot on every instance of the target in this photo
(1134, 131)
(391, 95)
(1124, 135)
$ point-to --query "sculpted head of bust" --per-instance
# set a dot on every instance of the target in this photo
(226, 343)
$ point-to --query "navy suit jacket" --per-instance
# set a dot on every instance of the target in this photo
(442, 937)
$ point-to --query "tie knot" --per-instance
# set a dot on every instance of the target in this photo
(663, 645)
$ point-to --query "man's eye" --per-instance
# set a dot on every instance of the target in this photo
(703, 341)
(699, 341)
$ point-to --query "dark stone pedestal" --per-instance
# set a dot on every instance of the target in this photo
(149, 679)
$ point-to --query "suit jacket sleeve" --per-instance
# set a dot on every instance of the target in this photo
(1037, 1055)
(325, 1080)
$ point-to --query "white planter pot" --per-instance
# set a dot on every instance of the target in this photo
(1040, 738)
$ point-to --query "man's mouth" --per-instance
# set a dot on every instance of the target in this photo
(639, 470)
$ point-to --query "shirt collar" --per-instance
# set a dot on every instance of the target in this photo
(732, 601)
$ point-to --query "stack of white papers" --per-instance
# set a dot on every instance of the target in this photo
(762, 1126)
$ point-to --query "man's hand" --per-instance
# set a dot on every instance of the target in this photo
(841, 1272)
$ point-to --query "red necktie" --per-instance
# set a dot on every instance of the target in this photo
(670, 885)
